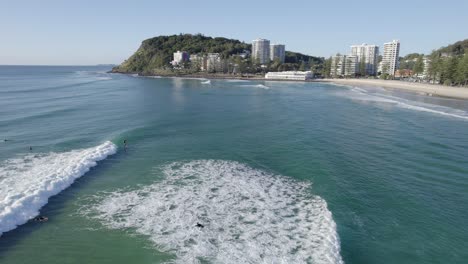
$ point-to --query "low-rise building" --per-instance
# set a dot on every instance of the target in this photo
(427, 65)
(180, 57)
(290, 75)
(214, 63)
(199, 62)
(403, 73)
(344, 65)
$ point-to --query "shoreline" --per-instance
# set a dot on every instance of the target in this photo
(419, 88)
(215, 77)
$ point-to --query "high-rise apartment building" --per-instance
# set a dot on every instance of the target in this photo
(261, 50)
(390, 59)
(367, 55)
(277, 51)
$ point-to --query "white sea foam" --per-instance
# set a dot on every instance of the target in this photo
(26, 183)
(250, 216)
(256, 86)
(206, 82)
(236, 80)
(364, 95)
(104, 78)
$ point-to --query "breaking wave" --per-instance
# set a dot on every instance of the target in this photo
(249, 215)
(26, 183)
(206, 82)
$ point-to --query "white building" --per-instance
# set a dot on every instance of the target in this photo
(261, 50)
(367, 54)
(390, 59)
(344, 65)
(290, 75)
(198, 61)
(214, 62)
(179, 57)
(427, 65)
(277, 51)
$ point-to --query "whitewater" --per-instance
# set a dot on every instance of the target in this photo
(250, 215)
(360, 94)
(28, 181)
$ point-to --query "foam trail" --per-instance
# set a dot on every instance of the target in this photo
(257, 86)
(27, 183)
(363, 95)
(206, 82)
(250, 216)
(236, 80)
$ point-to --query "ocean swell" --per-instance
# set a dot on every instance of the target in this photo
(249, 215)
(26, 183)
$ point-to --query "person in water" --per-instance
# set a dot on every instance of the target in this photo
(125, 143)
(30, 148)
(199, 225)
(41, 219)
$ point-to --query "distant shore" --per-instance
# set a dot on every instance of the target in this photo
(219, 76)
(420, 88)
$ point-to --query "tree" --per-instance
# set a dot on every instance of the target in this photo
(449, 70)
(434, 66)
(302, 66)
(418, 67)
(385, 68)
(462, 71)
(327, 67)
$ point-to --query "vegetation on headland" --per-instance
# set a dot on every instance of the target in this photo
(154, 55)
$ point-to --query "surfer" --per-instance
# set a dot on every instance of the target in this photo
(30, 148)
(125, 143)
(199, 225)
(41, 219)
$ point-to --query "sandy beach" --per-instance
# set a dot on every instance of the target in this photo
(421, 88)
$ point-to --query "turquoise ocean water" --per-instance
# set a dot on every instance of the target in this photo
(276, 172)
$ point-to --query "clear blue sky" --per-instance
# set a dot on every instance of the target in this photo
(92, 32)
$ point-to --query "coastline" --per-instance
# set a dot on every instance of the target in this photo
(247, 77)
(419, 88)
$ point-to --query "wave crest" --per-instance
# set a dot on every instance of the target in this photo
(26, 183)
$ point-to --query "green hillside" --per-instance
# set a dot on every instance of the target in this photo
(457, 48)
(156, 53)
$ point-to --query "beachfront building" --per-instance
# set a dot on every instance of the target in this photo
(261, 50)
(427, 65)
(277, 51)
(290, 75)
(390, 59)
(344, 65)
(367, 55)
(214, 63)
(180, 57)
(198, 62)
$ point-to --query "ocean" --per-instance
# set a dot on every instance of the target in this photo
(275, 172)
